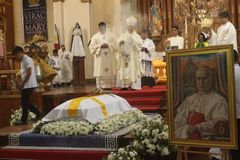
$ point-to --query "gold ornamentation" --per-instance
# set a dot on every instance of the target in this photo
(33, 2)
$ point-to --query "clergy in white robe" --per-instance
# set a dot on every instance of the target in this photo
(226, 33)
(78, 52)
(104, 47)
(202, 114)
(148, 49)
(129, 58)
(176, 41)
(55, 62)
(66, 59)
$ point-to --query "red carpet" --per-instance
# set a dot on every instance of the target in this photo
(149, 99)
(51, 154)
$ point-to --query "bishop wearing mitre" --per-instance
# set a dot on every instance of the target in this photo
(129, 60)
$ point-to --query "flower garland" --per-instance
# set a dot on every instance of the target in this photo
(71, 127)
(119, 121)
(17, 115)
(66, 127)
(150, 138)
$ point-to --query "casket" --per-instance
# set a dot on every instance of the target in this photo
(93, 109)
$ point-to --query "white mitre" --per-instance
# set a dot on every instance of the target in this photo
(131, 21)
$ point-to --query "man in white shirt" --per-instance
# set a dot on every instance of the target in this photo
(226, 33)
(29, 83)
(176, 41)
(147, 51)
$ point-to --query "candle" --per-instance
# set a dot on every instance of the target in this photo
(158, 71)
(164, 72)
(186, 27)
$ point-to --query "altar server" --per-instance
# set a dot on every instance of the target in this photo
(147, 51)
(175, 41)
(226, 33)
(66, 59)
(56, 63)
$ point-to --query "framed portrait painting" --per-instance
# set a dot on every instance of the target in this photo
(201, 97)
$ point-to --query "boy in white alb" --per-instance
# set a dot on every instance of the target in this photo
(226, 33)
(29, 83)
(147, 51)
(56, 63)
(175, 41)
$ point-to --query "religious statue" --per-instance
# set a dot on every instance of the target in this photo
(78, 51)
(156, 18)
(44, 72)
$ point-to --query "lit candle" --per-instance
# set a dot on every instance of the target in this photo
(158, 71)
(164, 72)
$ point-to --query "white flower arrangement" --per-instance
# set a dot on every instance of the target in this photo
(17, 115)
(127, 153)
(69, 127)
(152, 136)
(72, 127)
(150, 139)
(119, 121)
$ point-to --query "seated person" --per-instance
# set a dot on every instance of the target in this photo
(202, 41)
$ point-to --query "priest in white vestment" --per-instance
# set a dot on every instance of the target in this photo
(55, 62)
(129, 58)
(226, 33)
(202, 114)
(176, 41)
(66, 59)
(104, 47)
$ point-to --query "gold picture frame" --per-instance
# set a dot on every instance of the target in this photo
(86, 1)
(201, 97)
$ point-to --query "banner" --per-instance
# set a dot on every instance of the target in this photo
(35, 20)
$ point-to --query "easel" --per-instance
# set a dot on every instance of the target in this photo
(183, 150)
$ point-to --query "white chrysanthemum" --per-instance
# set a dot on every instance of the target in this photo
(165, 151)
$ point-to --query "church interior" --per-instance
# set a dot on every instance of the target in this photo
(119, 79)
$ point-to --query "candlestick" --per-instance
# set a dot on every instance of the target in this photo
(186, 27)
